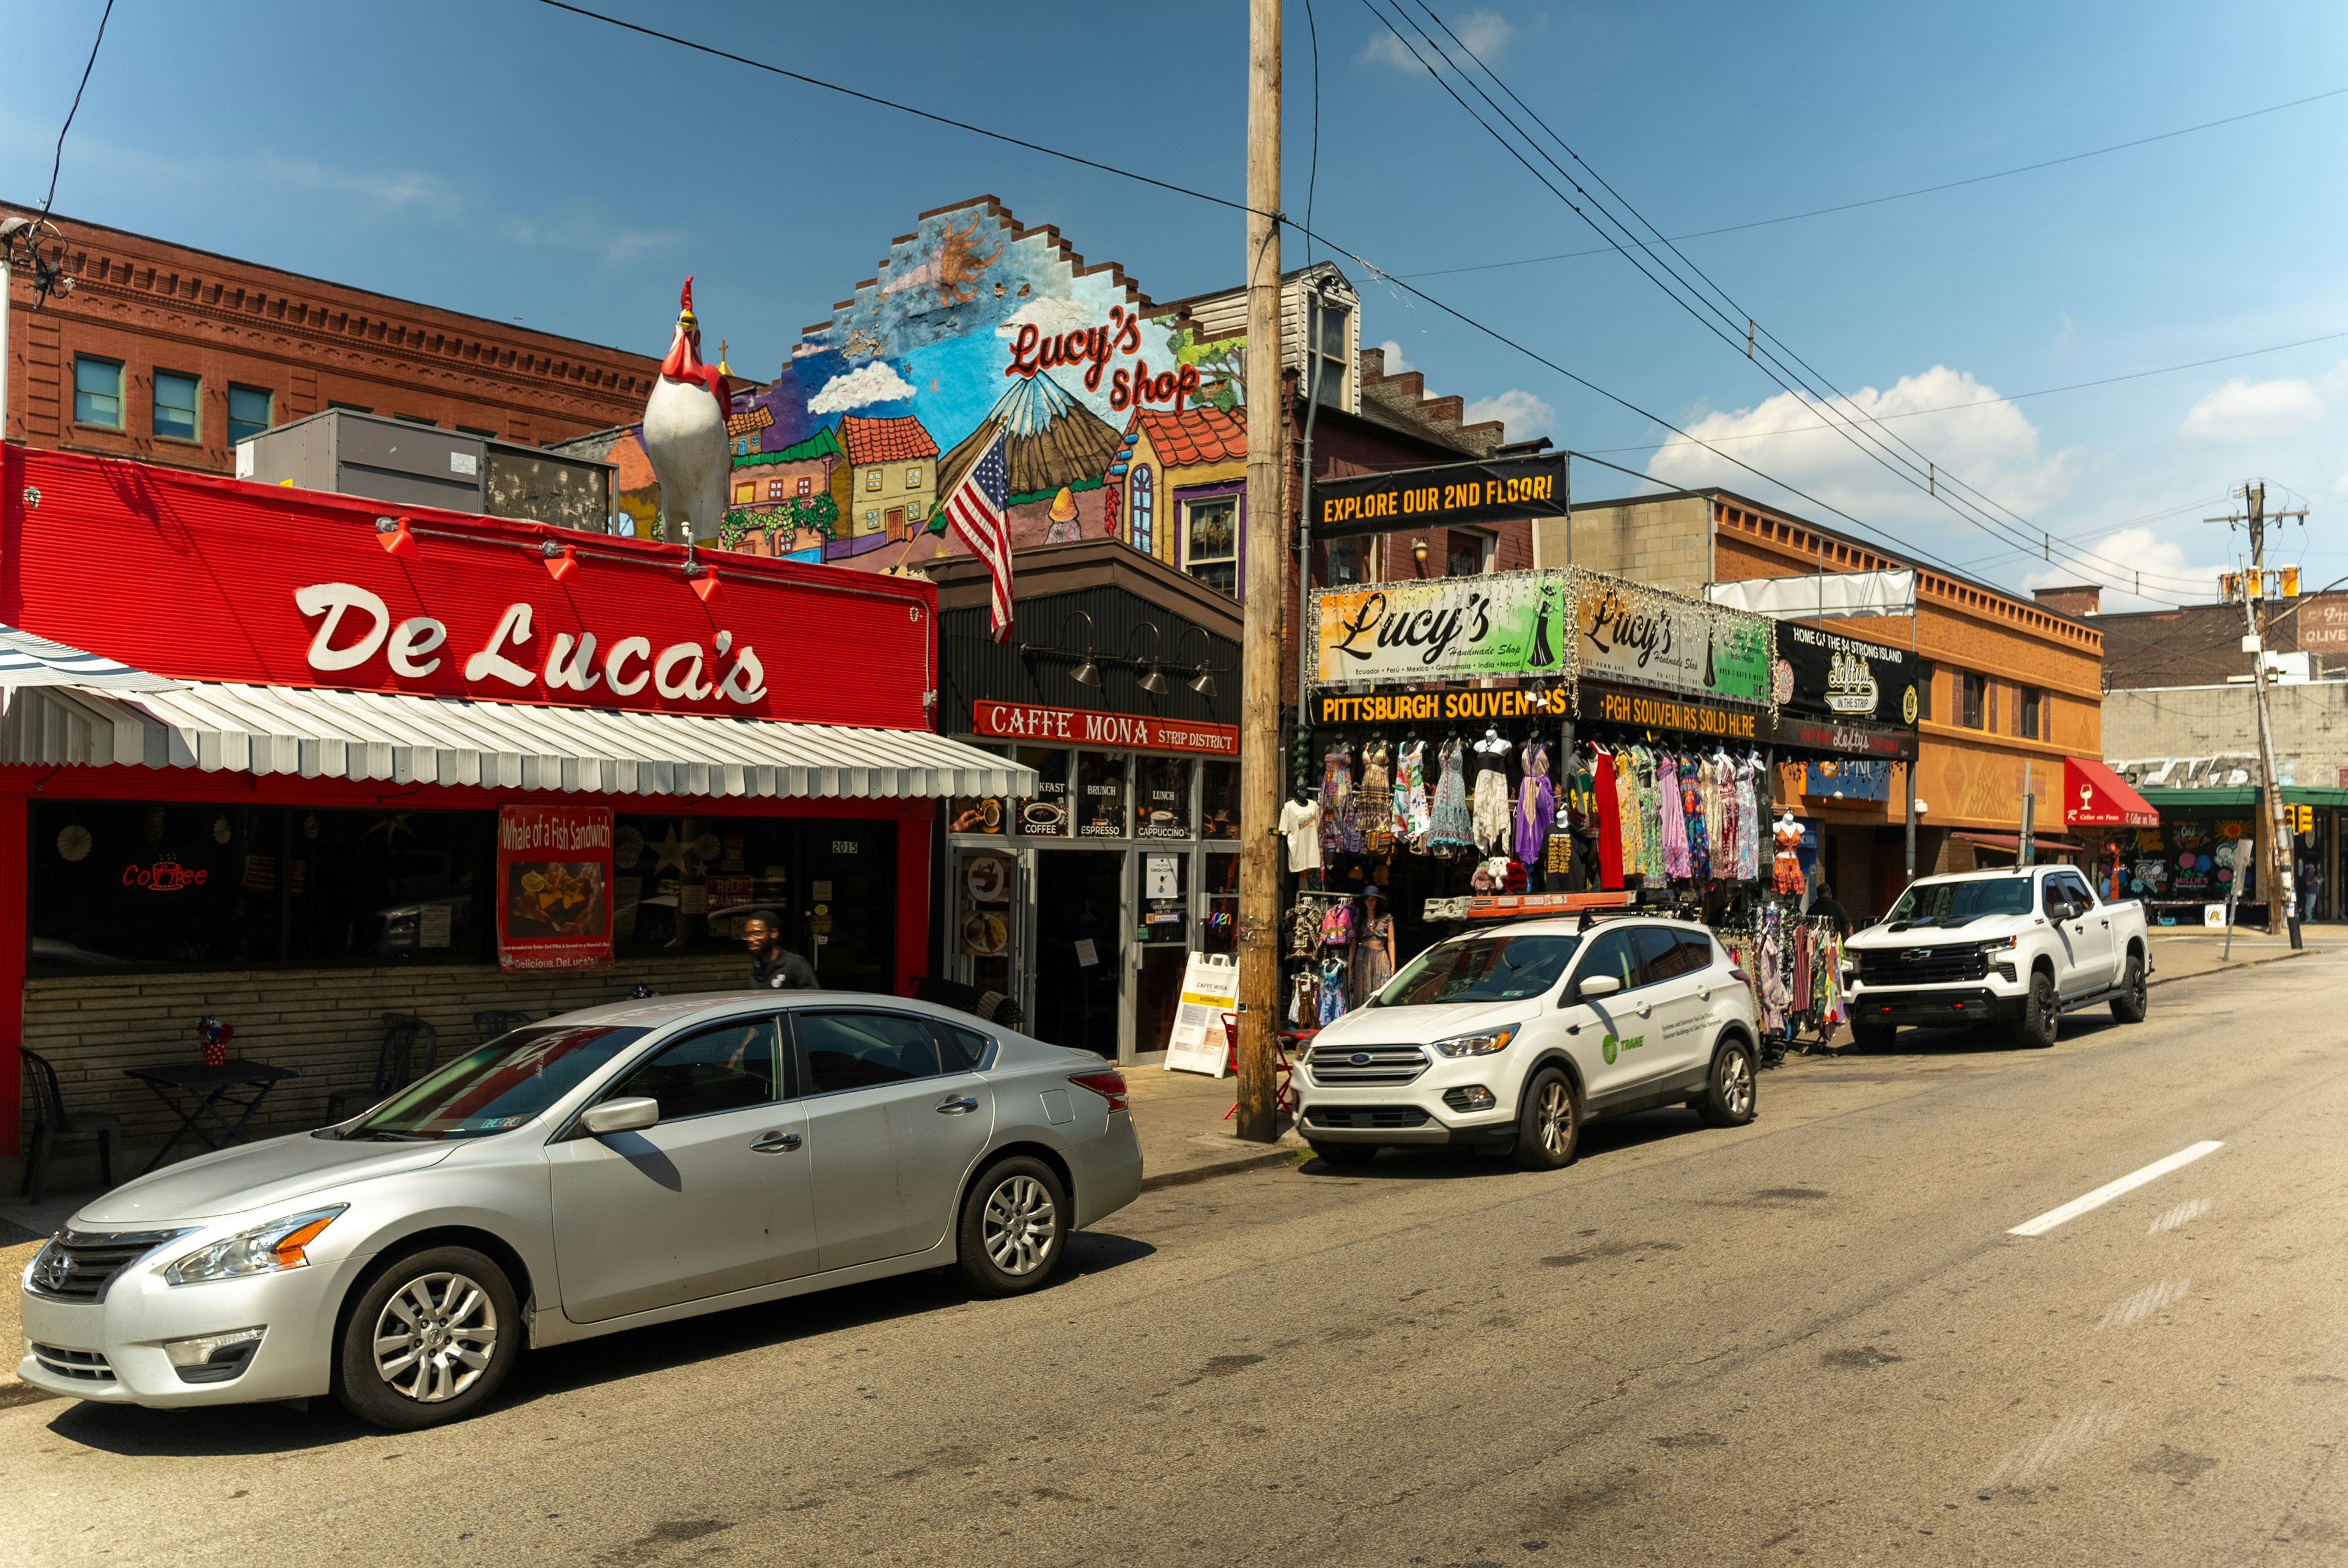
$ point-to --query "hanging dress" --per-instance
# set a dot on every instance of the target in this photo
(1691, 807)
(1341, 832)
(1376, 800)
(1788, 864)
(1372, 968)
(1488, 794)
(1672, 817)
(1410, 810)
(1606, 814)
(1452, 830)
(1632, 845)
(1333, 993)
(1748, 826)
(1651, 818)
(1536, 804)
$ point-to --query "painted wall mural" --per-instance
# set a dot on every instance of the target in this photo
(1116, 414)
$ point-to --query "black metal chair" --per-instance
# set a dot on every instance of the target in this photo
(395, 1065)
(494, 1021)
(50, 1124)
(992, 1006)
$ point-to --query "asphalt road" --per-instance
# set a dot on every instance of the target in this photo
(1810, 1338)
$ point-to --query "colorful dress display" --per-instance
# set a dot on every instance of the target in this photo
(1670, 818)
(1411, 813)
(1488, 794)
(1452, 830)
(1536, 804)
(1693, 788)
(1748, 823)
(1376, 804)
(1341, 833)
(1372, 966)
(1606, 811)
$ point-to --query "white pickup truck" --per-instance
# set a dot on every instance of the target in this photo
(2019, 946)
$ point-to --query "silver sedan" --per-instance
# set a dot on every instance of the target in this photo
(612, 1168)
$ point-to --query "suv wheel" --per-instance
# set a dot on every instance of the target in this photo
(2128, 1007)
(1343, 1154)
(1014, 1227)
(1548, 1122)
(2040, 1011)
(1729, 1095)
(428, 1339)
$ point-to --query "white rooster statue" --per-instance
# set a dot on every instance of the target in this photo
(684, 432)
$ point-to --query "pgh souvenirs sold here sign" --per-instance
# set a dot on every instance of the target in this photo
(1444, 629)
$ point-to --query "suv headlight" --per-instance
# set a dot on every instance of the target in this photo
(1482, 1043)
(265, 1249)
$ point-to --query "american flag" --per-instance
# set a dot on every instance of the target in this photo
(975, 519)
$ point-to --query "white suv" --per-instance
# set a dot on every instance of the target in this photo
(1508, 1039)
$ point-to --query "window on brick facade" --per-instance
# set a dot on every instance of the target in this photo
(1925, 675)
(475, 430)
(1467, 553)
(2030, 712)
(98, 392)
(179, 411)
(1211, 542)
(1976, 701)
(249, 409)
(418, 419)
(349, 407)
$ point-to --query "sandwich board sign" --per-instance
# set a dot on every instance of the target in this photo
(1210, 987)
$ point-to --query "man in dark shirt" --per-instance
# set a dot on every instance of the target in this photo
(1825, 904)
(773, 967)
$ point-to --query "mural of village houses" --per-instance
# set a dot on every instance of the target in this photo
(1115, 413)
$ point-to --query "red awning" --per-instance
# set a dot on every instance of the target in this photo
(2094, 796)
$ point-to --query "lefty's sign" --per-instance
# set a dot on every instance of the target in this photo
(1453, 495)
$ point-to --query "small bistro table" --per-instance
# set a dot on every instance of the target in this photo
(197, 1095)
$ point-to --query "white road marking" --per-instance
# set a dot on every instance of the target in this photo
(2183, 1215)
(2110, 1190)
(2152, 1299)
(2068, 1436)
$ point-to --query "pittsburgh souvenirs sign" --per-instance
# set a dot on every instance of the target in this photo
(1455, 495)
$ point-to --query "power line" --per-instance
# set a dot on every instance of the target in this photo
(1966, 509)
(1905, 195)
(1907, 549)
(58, 161)
(1312, 170)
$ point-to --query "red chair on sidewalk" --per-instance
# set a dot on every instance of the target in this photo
(1283, 1098)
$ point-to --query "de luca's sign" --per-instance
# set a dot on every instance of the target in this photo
(195, 578)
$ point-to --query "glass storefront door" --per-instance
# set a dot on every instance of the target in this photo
(1079, 948)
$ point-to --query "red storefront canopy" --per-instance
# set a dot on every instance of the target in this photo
(2094, 796)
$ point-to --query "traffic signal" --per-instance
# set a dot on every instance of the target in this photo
(2302, 818)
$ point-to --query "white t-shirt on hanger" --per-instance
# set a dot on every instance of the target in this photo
(1301, 824)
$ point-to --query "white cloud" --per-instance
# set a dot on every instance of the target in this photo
(1483, 33)
(1048, 316)
(2244, 410)
(2163, 565)
(1395, 363)
(1527, 416)
(1989, 446)
(866, 384)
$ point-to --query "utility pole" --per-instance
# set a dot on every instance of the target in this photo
(2282, 900)
(1267, 517)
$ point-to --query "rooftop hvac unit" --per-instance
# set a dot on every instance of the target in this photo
(348, 452)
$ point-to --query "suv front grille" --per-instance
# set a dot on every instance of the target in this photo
(80, 1266)
(1921, 966)
(82, 1366)
(1364, 1116)
(1364, 1067)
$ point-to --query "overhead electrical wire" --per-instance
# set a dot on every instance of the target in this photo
(58, 163)
(1905, 195)
(1501, 338)
(1923, 476)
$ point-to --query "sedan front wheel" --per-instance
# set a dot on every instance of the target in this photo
(1014, 1227)
(430, 1337)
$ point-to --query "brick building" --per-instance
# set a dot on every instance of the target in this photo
(170, 354)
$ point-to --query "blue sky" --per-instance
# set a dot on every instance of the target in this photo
(506, 158)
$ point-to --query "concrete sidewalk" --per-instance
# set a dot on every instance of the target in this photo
(1179, 1117)
(2182, 954)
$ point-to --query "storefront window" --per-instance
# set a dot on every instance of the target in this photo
(1045, 815)
(1100, 795)
(1162, 807)
(685, 885)
(985, 884)
(120, 884)
(1219, 799)
(1219, 922)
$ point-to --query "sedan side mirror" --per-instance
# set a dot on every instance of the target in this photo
(1590, 986)
(631, 1115)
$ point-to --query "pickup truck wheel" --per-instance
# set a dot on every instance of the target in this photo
(1874, 1036)
(1548, 1125)
(1728, 1096)
(2128, 1007)
(2040, 1011)
(1343, 1154)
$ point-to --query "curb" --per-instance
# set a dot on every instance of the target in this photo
(2225, 969)
(1278, 1155)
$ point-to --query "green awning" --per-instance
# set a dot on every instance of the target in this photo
(2236, 796)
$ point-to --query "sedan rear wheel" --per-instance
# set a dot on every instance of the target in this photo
(429, 1338)
(1014, 1227)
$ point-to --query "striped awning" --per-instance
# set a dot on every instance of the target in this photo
(374, 736)
(29, 660)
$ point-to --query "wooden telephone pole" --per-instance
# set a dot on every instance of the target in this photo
(2282, 862)
(1266, 531)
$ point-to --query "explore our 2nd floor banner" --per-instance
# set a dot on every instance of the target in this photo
(1455, 495)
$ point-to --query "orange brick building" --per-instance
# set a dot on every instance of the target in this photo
(170, 355)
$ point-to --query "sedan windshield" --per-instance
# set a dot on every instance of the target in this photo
(1952, 904)
(1495, 968)
(498, 1087)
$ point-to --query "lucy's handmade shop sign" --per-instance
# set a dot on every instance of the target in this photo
(1444, 629)
(1638, 636)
